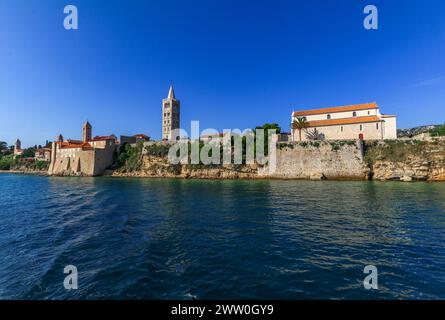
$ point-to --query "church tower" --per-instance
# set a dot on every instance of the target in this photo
(18, 145)
(86, 132)
(170, 115)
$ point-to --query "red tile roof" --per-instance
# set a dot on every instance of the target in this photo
(333, 122)
(355, 107)
(104, 138)
(70, 145)
(141, 136)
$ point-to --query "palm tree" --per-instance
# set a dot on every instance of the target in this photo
(314, 135)
(300, 124)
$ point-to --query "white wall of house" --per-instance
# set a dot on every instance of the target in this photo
(342, 115)
(370, 131)
(390, 128)
(384, 129)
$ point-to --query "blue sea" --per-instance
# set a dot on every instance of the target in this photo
(203, 239)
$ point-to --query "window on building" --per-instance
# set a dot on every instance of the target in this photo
(354, 114)
(361, 127)
(329, 116)
(377, 125)
(369, 112)
(341, 128)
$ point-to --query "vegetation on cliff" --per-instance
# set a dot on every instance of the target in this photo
(438, 131)
(6, 162)
(130, 158)
(9, 163)
(394, 150)
(406, 160)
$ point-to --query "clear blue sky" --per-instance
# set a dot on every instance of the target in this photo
(234, 63)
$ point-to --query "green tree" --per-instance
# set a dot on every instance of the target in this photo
(6, 162)
(440, 131)
(28, 153)
(266, 127)
(300, 124)
(3, 146)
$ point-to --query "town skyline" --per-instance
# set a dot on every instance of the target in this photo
(116, 69)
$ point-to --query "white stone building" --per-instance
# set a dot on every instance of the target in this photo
(361, 121)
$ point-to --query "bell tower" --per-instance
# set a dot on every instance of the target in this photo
(86, 132)
(170, 115)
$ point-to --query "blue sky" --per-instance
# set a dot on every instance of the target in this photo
(234, 63)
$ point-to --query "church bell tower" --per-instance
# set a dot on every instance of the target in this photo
(86, 132)
(170, 115)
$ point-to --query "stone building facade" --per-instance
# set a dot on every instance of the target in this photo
(170, 115)
(89, 157)
(362, 121)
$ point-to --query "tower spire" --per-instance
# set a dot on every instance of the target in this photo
(171, 92)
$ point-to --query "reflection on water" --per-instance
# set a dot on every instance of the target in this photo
(181, 239)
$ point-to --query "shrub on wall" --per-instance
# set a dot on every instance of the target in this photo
(6, 162)
(157, 150)
(130, 157)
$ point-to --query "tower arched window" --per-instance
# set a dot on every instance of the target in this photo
(329, 116)
(354, 114)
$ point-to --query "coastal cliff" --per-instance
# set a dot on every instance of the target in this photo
(406, 160)
(391, 160)
(305, 160)
(394, 160)
(159, 167)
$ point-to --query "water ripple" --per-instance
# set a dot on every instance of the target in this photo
(179, 239)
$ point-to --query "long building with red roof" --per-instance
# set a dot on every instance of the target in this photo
(359, 121)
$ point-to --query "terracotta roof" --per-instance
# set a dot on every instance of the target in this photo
(69, 145)
(103, 138)
(333, 122)
(354, 107)
(74, 141)
(388, 116)
(141, 135)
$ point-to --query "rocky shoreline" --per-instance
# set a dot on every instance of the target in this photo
(398, 160)
(28, 172)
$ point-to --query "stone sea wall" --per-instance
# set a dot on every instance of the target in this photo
(395, 160)
(306, 160)
(321, 160)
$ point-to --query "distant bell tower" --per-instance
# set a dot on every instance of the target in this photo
(18, 145)
(86, 132)
(170, 115)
